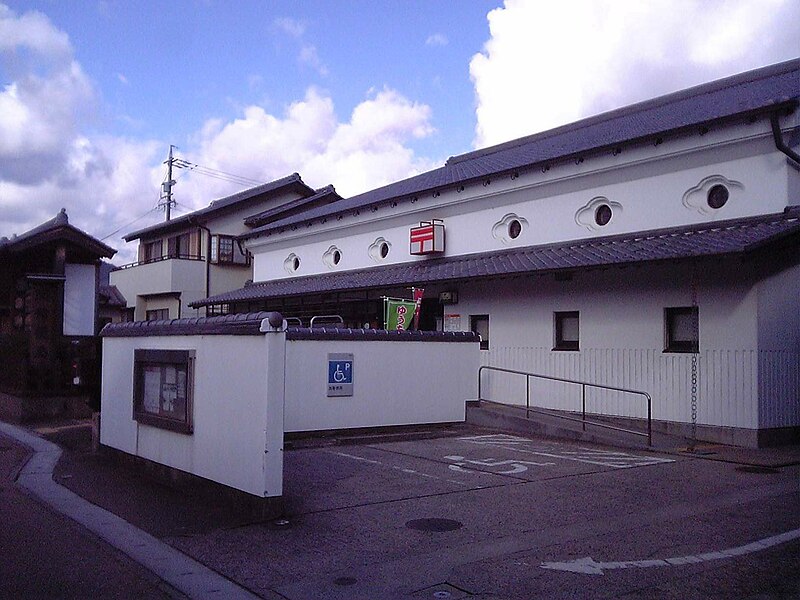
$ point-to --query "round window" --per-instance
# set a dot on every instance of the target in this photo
(295, 263)
(602, 215)
(514, 229)
(337, 256)
(717, 196)
(384, 250)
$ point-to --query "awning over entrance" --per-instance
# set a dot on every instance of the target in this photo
(739, 236)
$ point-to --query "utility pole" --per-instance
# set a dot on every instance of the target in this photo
(166, 187)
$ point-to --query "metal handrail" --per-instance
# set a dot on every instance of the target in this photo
(338, 318)
(583, 384)
(160, 259)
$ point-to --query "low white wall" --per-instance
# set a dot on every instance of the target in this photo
(622, 341)
(394, 383)
(238, 409)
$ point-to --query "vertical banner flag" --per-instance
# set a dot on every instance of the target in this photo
(418, 293)
(398, 313)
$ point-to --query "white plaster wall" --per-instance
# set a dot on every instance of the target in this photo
(622, 341)
(779, 348)
(238, 409)
(648, 184)
(394, 383)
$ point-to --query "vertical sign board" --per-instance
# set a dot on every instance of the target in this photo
(340, 375)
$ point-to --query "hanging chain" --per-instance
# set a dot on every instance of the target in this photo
(695, 351)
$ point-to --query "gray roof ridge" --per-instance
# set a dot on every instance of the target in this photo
(60, 221)
(222, 203)
(790, 213)
(630, 109)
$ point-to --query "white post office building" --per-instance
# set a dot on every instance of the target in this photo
(645, 248)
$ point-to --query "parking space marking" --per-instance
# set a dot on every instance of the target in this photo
(588, 566)
(394, 467)
(515, 466)
(603, 458)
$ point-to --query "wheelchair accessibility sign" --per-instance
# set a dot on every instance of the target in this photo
(340, 374)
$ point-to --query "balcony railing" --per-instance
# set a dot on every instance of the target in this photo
(162, 258)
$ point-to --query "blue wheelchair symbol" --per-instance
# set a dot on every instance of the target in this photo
(340, 372)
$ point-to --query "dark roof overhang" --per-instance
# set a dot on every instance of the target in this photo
(225, 205)
(743, 97)
(57, 230)
(740, 236)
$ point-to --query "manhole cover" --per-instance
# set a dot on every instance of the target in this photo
(345, 581)
(434, 524)
(757, 470)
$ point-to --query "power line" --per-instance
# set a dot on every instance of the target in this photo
(139, 218)
(214, 173)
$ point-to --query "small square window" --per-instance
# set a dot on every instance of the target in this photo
(681, 329)
(159, 314)
(480, 325)
(162, 388)
(566, 330)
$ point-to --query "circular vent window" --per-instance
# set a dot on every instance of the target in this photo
(717, 196)
(514, 229)
(602, 215)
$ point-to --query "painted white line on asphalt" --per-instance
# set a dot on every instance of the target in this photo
(396, 468)
(181, 572)
(588, 566)
(601, 458)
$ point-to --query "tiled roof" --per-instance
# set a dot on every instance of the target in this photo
(755, 92)
(325, 196)
(57, 228)
(111, 296)
(708, 239)
(293, 181)
(250, 324)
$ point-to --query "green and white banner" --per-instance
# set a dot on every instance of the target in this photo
(398, 314)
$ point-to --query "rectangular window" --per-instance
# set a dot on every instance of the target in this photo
(179, 246)
(152, 251)
(225, 250)
(480, 325)
(681, 329)
(162, 388)
(158, 314)
(566, 330)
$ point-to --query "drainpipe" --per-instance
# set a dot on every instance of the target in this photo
(779, 143)
(208, 255)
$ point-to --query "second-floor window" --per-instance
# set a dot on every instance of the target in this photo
(225, 250)
(180, 246)
(152, 251)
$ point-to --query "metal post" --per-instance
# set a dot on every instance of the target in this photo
(583, 404)
(527, 396)
(649, 420)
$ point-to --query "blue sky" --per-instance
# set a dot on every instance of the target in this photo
(357, 94)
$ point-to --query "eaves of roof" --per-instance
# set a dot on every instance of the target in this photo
(56, 229)
(229, 203)
(325, 196)
(708, 239)
(761, 91)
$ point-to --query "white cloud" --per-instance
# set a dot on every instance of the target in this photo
(547, 64)
(309, 56)
(46, 162)
(290, 26)
(367, 151)
(122, 79)
(436, 39)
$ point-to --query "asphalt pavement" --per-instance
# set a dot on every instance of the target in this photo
(462, 512)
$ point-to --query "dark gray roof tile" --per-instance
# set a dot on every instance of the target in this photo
(707, 239)
(758, 91)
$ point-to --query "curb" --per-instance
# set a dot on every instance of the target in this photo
(175, 568)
